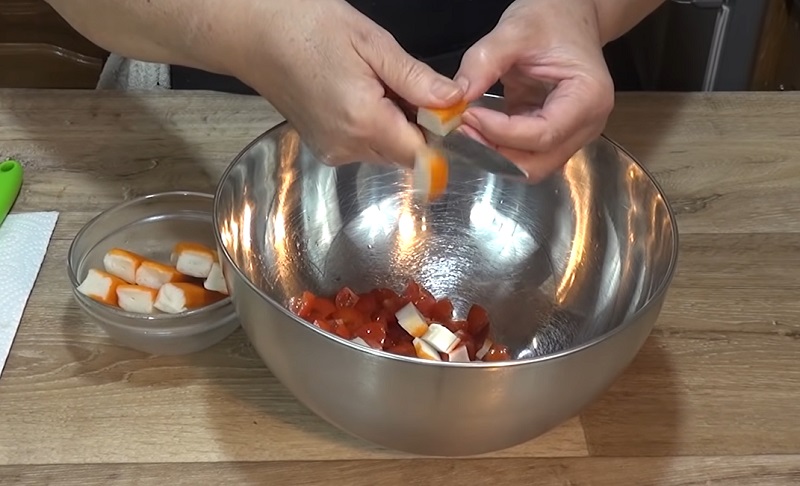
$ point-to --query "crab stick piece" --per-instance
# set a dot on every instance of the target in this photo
(459, 355)
(154, 274)
(136, 298)
(122, 263)
(441, 121)
(215, 282)
(430, 173)
(440, 338)
(411, 320)
(101, 286)
(487, 345)
(193, 259)
(177, 297)
(425, 350)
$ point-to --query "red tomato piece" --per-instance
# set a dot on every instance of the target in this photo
(497, 352)
(456, 326)
(346, 298)
(325, 325)
(478, 319)
(373, 333)
(367, 304)
(394, 304)
(341, 329)
(396, 335)
(442, 311)
(404, 348)
(351, 317)
(386, 316)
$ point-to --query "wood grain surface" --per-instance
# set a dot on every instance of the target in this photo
(712, 398)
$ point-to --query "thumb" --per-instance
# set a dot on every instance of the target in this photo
(486, 62)
(412, 80)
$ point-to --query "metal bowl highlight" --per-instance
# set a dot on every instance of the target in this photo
(573, 271)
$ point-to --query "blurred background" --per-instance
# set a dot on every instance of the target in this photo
(686, 45)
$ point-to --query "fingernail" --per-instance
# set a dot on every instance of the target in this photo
(445, 90)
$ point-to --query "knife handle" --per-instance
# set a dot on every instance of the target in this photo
(10, 184)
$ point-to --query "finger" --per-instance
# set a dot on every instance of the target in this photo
(485, 62)
(409, 78)
(567, 109)
(541, 165)
(475, 135)
(394, 138)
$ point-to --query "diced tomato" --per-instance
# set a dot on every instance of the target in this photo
(346, 298)
(442, 311)
(456, 326)
(422, 299)
(314, 307)
(367, 304)
(497, 352)
(478, 319)
(396, 335)
(371, 316)
(373, 333)
(444, 356)
(351, 317)
(342, 330)
(404, 348)
(325, 325)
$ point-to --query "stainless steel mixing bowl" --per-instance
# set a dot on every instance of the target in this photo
(573, 271)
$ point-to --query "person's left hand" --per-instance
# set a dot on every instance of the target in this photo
(558, 91)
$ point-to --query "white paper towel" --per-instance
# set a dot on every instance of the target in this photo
(24, 238)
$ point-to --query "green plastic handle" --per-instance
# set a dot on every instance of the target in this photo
(10, 184)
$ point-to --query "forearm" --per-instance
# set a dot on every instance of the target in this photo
(194, 33)
(616, 17)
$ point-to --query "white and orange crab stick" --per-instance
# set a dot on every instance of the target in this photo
(215, 281)
(430, 173)
(174, 298)
(122, 263)
(193, 259)
(441, 121)
(136, 298)
(425, 350)
(154, 274)
(101, 286)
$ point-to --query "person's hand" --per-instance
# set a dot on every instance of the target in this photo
(558, 91)
(331, 71)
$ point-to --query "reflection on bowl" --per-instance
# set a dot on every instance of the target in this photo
(573, 272)
(151, 226)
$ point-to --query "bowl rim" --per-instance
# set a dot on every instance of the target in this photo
(154, 322)
(657, 296)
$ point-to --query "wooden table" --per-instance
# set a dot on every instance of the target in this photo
(713, 397)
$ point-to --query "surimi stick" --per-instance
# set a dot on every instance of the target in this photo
(430, 173)
(441, 121)
(174, 298)
(101, 286)
(122, 263)
(154, 275)
(193, 259)
(216, 281)
(136, 298)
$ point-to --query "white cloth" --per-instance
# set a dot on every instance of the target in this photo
(24, 238)
(122, 73)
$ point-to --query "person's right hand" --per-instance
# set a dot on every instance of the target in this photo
(330, 71)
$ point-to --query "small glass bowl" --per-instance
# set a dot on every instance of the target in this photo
(151, 226)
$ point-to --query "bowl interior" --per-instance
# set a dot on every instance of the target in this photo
(151, 227)
(557, 263)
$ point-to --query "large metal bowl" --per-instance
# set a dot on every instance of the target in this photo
(573, 271)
